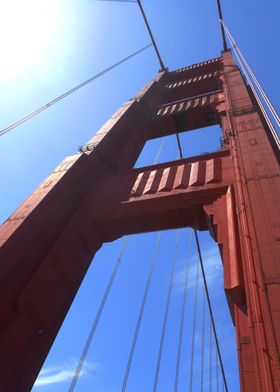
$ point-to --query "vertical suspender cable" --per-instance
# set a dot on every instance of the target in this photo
(179, 145)
(202, 345)
(166, 311)
(217, 371)
(210, 310)
(159, 152)
(210, 357)
(146, 289)
(223, 386)
(97, 318)
(194, 326)
(183, 313)
(140, 315)
(101, 307)
(207, 293)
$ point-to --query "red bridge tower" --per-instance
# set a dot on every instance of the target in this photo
(96, 196)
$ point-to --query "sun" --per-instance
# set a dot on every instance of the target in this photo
(27, 31)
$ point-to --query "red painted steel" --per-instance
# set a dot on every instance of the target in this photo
(96, 196)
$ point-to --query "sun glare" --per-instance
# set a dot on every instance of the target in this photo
(27, 30)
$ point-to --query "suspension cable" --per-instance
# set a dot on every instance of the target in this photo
(163, 68)
(251, 72)
(71, 91)
(157, 157)
(263, 93)
(140, 315)
(217, 372)
(180, 151)
(97, 318)
(266, 117)
(194, 325)
(210, 356)
(222, 27)
(202, 344)
(183, 316)
(223, 386)
(179, 145)
(166, 312)
(159, 152)
(210, 309)
(206, 289)
(119, 1)
(101, 307)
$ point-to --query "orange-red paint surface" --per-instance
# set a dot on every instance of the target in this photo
(96, 196)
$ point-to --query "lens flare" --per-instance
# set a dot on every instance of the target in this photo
(27, 31)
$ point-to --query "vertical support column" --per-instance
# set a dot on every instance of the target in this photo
(48, 243)
(257, 190)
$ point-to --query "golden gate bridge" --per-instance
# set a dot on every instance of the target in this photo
(97, 196)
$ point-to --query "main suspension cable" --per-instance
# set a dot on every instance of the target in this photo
(166, 311)
(263, 93)
(253, 76)
(266, 117)
(163, 68)
(71, 91)
(140, 315)
(194, 325)
(97, 318)
(183, 316)
(222, 27)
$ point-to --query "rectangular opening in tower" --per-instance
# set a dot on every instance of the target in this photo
(201, 141)
(195, 142)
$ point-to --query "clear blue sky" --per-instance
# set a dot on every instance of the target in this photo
(49, 46)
